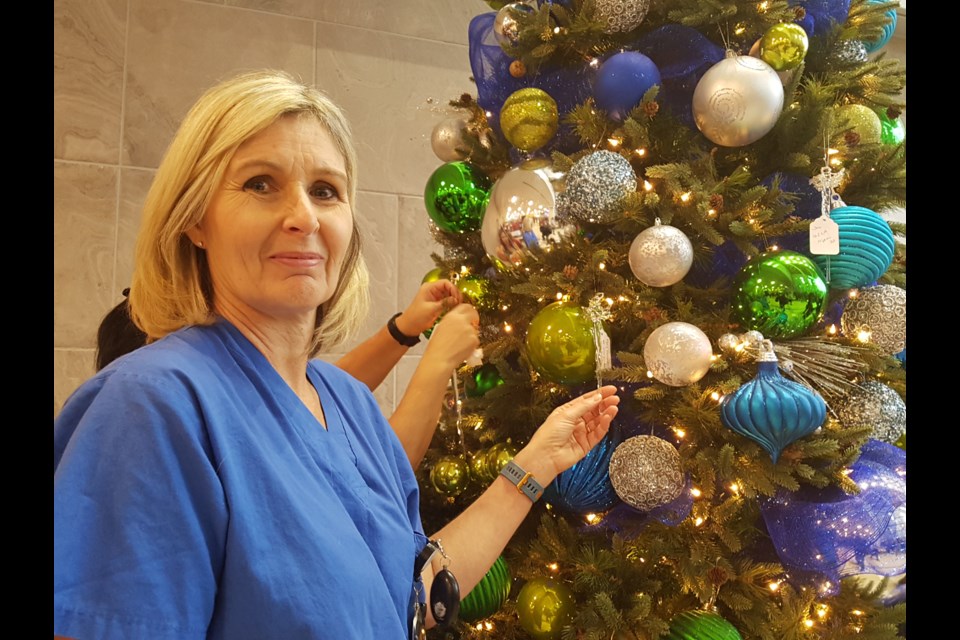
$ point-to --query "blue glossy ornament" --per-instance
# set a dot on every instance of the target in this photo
(772, 410)
(888, 29)
(585, 487)
(866, 248)
(621, 82)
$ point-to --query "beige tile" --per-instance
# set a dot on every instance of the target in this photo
(84, 242)
(383, 82)
(416, 244)
(384, 394)
(443, 21)
(134, 184)
(178, 49)
(88, 42)
(70, 368)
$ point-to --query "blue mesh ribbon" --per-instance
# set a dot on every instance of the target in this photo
(826, 534)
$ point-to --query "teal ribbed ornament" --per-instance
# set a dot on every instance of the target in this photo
(488, 596)
(772, 410)
(866, 249)
(888, 29)
(701, 625)
(586, 487)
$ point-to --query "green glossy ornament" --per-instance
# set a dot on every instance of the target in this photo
(484, 378)
(701, 625)
(784, 46)
(779, 294)
(892, 130)
(477, 291)
(902, 441)
(560, 343)
(433, 275)
(450, 475)
(488, 596)
(497, 457)
(456, 196)
(529, 118)
(544, 607)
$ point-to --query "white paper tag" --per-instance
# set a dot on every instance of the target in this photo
(604, 359)
(476, 358)
(824, 237)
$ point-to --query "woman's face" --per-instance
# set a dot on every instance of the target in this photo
(279, 224)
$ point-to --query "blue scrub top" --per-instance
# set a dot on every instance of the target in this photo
(195, 496)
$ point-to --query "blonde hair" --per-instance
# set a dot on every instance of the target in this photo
(171, 286)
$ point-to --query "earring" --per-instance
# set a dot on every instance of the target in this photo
(200, 244)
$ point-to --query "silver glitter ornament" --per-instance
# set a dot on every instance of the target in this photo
(877, 405)
(645, 472)
(596, 186)
(448, 139)
(737, 101)
(521, 214)
(753, 338)
(881, 312)
(847, 53)
(677, 353)
(619, 16)
(660, 255)
(506, 26)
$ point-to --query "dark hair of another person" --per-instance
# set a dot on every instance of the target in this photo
(117, 334)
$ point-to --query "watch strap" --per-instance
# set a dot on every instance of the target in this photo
(399, 336)
(522, 480)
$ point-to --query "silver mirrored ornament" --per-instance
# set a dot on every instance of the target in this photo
(737, 101)
(506, 26)
(521, 215)
(660, 255)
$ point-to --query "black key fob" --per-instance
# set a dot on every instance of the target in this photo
(445, 598)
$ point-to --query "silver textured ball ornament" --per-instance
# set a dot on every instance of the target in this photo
(753, 338)
(737, 101)
(875, 404)
(506, 25)
(660, 255)
(728, 343)
(619, 16)
(596, 185)
(645, 472)
(846, 54)
(881, 313)
(677, 353)
(449, 141)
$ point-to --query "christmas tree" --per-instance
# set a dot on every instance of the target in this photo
(681, 197)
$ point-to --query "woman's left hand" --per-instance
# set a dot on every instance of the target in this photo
(571, 431)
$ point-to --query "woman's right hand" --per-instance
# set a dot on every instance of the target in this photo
(456, 337)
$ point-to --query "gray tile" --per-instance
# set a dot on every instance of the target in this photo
(84, 246)
(134, 184)
(88, 42)
(178, 49)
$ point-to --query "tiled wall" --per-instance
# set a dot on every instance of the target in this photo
(126, 71)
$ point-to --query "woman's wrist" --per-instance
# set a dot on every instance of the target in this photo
(539, 466)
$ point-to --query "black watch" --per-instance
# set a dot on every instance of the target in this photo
(400, 336)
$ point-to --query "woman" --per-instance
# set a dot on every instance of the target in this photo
(220, 483)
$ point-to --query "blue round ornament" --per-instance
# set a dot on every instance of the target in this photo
(772, 410)
(888, 29)
(866, 248)
(621, 82)
(585, 487)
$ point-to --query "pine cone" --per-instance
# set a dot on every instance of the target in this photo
(800, 13)
(852, 138)
(518, 69)
(716, 202)
(570, 272)
(651, 108)
(893, 112)
(717, 576)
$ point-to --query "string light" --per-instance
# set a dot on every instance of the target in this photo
(715, 396)
(649, 374)
(507, 327)
(592, 518)
(698, 522)
(774, 586)
(822, 610)
(609, 302)
(763, 6)
(740, 29)
(556, 29)
(774, 247)
(711, 213)
(614, 142)
(696, 493)
(553, 566)
(594, 63)
(679, 432)
(647, 186)
(602, 266)
(832, 330)
(559, 295)
(808, 623)
(863, 335)
(640, 152)
(853, 293)
(685, 197)
(735, 488)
